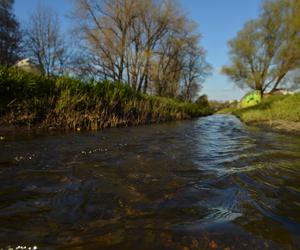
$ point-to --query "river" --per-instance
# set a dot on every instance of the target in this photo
(208, 183)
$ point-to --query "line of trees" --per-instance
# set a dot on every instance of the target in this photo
(150, 45)
(265, 54)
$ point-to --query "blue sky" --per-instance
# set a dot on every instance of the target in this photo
(218, 20)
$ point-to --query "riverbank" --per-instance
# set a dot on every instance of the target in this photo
(278, 113)
(65, 103)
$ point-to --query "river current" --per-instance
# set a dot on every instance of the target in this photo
(209, 183)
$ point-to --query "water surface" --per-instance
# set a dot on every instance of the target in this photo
(210, 183)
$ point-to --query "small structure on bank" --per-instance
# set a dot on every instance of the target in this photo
(28, 65)
(254, 97)
(250, 99)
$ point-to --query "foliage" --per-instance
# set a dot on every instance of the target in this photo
(267, 50)
(9, 34)
(202, 101)
(68, 103)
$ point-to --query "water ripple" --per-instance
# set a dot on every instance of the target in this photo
(175, 185)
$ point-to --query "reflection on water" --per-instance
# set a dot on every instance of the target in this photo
(210, 183)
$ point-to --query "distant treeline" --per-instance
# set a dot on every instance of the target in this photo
(70, 104)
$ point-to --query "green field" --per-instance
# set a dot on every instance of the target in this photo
(280, 113)
(286, 108)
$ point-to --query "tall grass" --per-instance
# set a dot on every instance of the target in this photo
(286, 108)
(68, 103)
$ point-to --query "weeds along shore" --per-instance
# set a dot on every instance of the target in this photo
(66, 103)
(278, 113)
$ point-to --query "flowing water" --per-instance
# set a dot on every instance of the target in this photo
(210, 183)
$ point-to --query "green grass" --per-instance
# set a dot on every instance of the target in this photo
(226, 110)
(273, 108)
(69, 103)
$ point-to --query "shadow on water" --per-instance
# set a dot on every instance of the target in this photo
(210, 183)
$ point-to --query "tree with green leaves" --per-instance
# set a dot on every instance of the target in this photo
(267, 50)
(202, 101)
(10, 35)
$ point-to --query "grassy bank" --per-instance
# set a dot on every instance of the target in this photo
(70, 104)
(276, 112)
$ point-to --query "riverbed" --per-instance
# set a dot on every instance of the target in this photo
(208, 183)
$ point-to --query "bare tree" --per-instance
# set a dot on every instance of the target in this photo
(181, 65)
(195, 70)
(143, 43)
(45, 44)
(104, 25)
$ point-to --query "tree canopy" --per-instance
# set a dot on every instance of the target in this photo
(10, 35)
(267, 50)
(149, 44)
